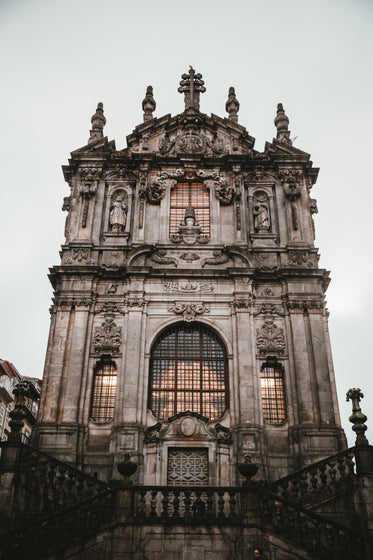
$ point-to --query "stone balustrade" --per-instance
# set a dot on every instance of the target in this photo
(319, 481)
(188, 503)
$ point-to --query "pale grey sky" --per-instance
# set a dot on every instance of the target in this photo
(60, 57)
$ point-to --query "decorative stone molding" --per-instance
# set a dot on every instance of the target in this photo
(90, 174)
(189, 257)
(223, 192)
(270, 338)
(189, 287)
(188, 310)
(300, 257)
(107, 337)
(220, 257)
(133, 300)
(109, 308)
(79, 255)
(304, 305)
(70, 302)
(157, 190)
(152, 434)
(243, 303)
(290, 176)
(259, 175)
(268, 309)
(223, 434)
(160, 258)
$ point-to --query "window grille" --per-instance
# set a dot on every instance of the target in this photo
(273, 394)
(187, 467)
(184, 194)
(188, 371)
(103, 394)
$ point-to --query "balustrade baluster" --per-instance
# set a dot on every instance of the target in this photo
(221, 503)
(210, 503)
(199, 506)
(176, 503)
(165, 496)
(153, 503)
(187, 503)
(141, 503)
(232, 504)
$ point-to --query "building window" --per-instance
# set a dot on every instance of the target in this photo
(104, 389)
(188, 371)
(273, 393)
(190, 194)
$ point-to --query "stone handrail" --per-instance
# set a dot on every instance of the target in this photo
(44, 484)
(318, 482)
(317, 534)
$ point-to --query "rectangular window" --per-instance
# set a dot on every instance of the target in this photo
(196, 195)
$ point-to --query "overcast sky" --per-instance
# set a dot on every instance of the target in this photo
(59, 58)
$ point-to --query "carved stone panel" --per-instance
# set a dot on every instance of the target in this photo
(107, 337)
(270, 338)
(187, 467)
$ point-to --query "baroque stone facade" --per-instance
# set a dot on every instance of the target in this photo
(189, 329)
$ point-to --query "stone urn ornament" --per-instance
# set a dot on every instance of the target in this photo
(247, 469)
(126, 468)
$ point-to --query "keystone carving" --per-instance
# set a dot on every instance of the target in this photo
(188, 310)
(107, 337)
(270, 338)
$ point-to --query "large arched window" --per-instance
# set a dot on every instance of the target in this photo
(103, 392)
(190, 194)
(273, 392)
(188, 371)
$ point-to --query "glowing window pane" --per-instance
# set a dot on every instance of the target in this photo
(184, 376)
(273, 395)
(103, 394)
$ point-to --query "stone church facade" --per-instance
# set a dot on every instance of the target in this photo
(189, 349)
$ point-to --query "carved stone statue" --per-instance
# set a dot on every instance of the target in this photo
(261, 217)
(118, 214)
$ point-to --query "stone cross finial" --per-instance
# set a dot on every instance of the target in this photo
(357, 418)
(232, 105)
(282, 124)
(191, 86)
(98, 122)
(148, 104)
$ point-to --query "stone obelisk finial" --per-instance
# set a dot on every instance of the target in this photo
(98, 122)
(191, 86)
(282, 124)
(232, 105)
(357, 417)
(148, 104)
